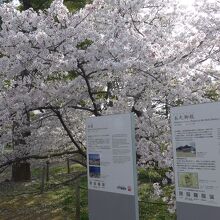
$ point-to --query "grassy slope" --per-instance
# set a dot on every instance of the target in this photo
(58, 201)
(24, 201)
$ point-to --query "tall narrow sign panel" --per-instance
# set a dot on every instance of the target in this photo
(111, 165)
(196, 144)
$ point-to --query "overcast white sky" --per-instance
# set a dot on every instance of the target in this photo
(190, 2)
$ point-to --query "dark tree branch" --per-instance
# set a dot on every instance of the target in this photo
(135, 27)
(96, 71)
(69, 133)
(151, 75)
(137, 112)
(37, 157)
(96, 110)
(57, 108)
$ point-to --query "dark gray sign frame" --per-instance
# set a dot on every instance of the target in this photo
(112, 206)
(187, 211)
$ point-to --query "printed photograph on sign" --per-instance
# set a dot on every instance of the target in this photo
(186, 149)
(94, 159)
(188, 180)
(94, 172)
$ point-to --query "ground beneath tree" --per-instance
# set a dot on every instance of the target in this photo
(24, 201)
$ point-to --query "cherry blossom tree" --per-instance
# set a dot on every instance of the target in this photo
(58, 68)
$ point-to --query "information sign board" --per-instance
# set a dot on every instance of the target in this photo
(110, 154)
(196, 145)
(111, 167)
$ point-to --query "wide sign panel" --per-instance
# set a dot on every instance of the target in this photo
(196, 144)
(111, 154)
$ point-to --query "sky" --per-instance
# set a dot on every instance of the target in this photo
(190, 2)
(187, 2)
(16, 2)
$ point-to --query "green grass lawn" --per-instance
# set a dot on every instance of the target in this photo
(24, 201)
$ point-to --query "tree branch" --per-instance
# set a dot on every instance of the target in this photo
(37, 157)
(96, 110)
(69, 133)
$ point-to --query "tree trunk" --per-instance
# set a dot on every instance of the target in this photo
(68, 165)
(42, 179)
(21, 172)
(47, 171)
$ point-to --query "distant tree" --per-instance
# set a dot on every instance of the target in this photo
(26, 4)
(72, 5)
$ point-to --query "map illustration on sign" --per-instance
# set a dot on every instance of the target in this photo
(188, 180)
